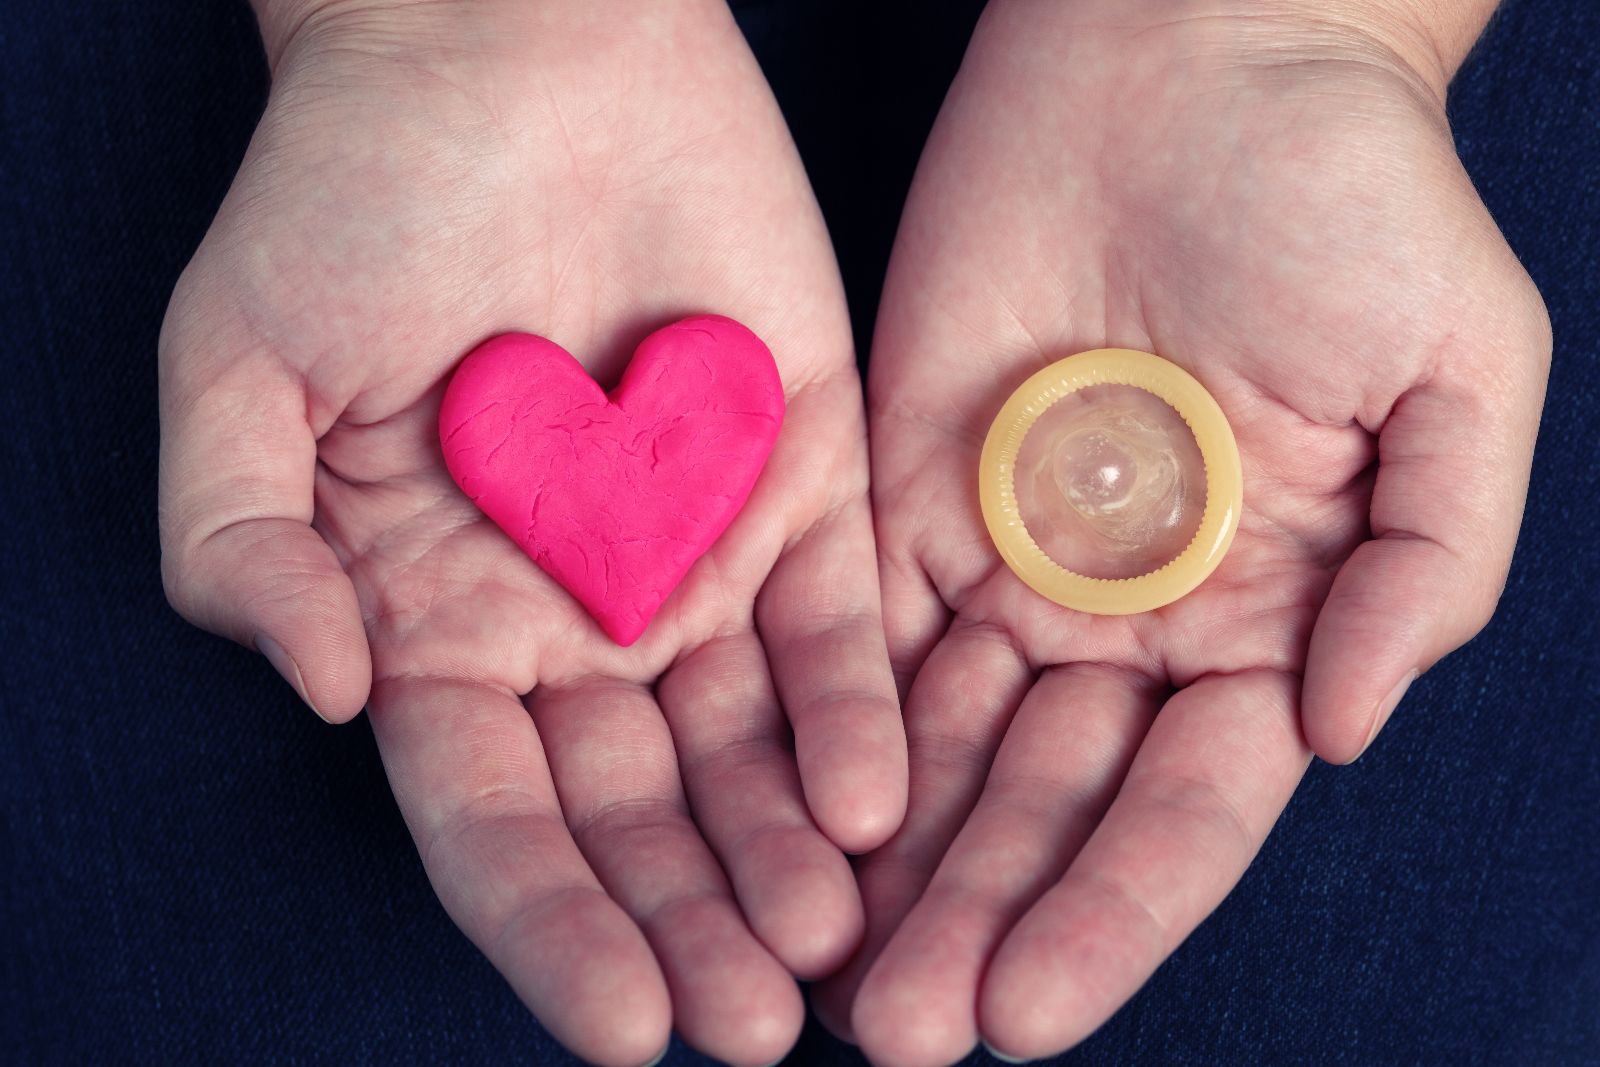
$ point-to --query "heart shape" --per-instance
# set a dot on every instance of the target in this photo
(614, 496)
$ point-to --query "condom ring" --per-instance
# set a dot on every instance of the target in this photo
(1125, 468)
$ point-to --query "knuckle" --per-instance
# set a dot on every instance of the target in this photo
(177, 583)
(184, 309)
(1484, 604)
(1536, 315)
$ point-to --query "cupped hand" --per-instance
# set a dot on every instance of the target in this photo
(1274, 203)
(639, 838)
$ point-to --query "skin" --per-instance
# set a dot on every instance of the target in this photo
(1267, 195)
(1270, 197)
(639, 839)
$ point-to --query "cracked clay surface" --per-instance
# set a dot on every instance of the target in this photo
(614, 496)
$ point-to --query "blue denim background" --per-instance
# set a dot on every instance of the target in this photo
(197, 870)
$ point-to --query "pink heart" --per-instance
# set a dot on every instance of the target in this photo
(614, 496)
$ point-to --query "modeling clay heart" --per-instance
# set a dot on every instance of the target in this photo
(615, 496)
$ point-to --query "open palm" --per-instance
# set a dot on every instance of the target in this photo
(1294, 229)
(622, 831)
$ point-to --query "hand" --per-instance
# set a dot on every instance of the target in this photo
(428, 176)
(1274, 203)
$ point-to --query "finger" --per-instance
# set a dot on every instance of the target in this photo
(794, 886)
(957, 712)
(914, 615)
(470, 777)
(822, 625)
(238, 555)
(612, 761)
(1063, 757)
(1210, 779)
(1453, 460)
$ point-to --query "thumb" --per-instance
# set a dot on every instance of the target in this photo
(1453, 460)
(238, 554)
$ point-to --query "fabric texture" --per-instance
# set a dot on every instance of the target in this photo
(196, 870)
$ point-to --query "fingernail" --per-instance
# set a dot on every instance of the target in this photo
(1386, 708)
(1001, 1056)
(286, 666)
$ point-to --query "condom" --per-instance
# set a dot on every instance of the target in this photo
(1110, 482)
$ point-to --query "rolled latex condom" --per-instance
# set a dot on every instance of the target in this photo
(1110, 482)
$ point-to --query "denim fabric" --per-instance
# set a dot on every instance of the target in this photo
(196, 870)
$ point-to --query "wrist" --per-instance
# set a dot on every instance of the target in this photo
(1431, 37)
(1423, 40)
(417, 29)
